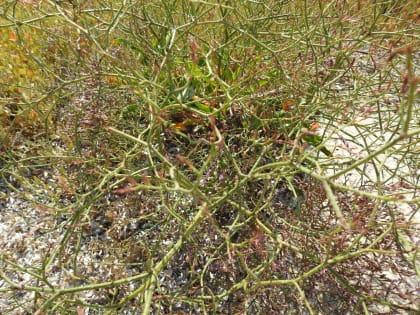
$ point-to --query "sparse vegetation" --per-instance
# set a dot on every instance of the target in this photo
(209, 157)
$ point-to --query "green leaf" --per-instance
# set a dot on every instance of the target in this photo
(316, 141)
(204, 108)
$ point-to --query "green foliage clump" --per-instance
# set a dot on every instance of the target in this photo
(184, 155)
